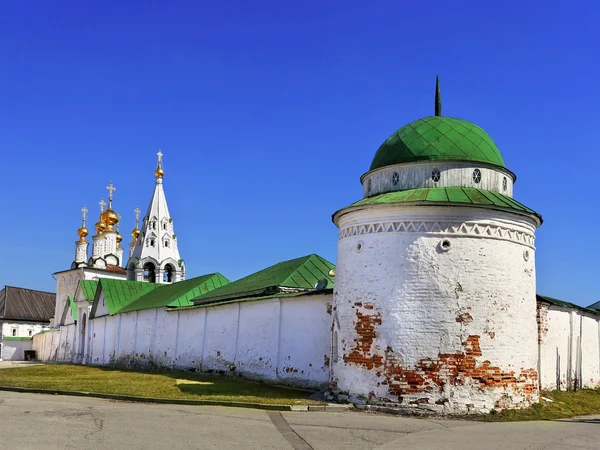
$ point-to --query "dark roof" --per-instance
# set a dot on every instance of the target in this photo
(26, 304)
(556, 302)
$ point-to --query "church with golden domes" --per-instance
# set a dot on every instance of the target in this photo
(153, 254)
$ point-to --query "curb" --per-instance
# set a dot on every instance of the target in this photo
(167, 401)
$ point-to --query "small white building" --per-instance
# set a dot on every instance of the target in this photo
(23, 313)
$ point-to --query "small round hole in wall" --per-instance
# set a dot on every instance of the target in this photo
(445, 245)
(359, 247)
(526, 255)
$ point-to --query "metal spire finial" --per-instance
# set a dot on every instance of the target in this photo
(84, 212)
(102, 204)
(438, 97)
(137, 216)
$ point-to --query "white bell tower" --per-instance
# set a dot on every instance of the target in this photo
(154, 253)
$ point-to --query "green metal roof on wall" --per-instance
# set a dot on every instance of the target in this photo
(438, 138)
(451, 196)
(17, 338)
(73, 306)
(120, 293)
(177, 294)
(299, 273)
(561, 303)
(88, 287)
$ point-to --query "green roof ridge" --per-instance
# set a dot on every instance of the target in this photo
(451, 196)
(88, 288)
(73, 306)
(298, 273)
(176, 294)
(119, 293)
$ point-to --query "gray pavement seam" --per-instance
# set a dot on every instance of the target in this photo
(295, 440)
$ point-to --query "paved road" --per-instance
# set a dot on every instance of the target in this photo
(35, 421)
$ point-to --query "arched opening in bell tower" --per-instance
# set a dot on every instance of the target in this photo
(168, 274)
(149, 273)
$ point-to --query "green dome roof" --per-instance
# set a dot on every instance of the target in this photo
(438, 138)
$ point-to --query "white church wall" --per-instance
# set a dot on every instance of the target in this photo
(190, 337)
(22, 329)
(145, 328)
(14, 350)
(305, 340)
(220, 338)
(285, 340)
(569, 342)
(164, 350)
(258, 334)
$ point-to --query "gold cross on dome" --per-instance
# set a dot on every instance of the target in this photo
(84, 212)
(102, 204)
(110, 189)
(160, 155)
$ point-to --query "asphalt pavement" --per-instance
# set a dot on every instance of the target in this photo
(38, 421)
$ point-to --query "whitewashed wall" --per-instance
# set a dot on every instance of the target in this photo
(283, 340)
(22, 329)
(448, 329)
(14, 350)
(569, 343)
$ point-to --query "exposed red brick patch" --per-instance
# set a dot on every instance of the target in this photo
(542, 321)
(431, 374)
(492, 334)
(365, 329)
(464, 318)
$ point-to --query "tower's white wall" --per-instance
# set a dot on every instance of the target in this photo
(446, 329)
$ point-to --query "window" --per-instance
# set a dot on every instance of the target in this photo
(436, 175)
(504, 183)
(166, 243)
(395, 178)
(14, 331)
(477, 176)
(369, 186)
(152, 242)
(164, 226)
(30, 333)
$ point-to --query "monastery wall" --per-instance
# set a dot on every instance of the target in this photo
(569, 345)
(284, 340)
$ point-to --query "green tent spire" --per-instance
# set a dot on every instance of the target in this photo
(438, 97)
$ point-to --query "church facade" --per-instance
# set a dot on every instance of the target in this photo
(432, 304)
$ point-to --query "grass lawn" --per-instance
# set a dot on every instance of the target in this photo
(563, 405)
(172, 385)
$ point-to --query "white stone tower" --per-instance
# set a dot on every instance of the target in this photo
(81, 245)
(155, 256)
(434, 303)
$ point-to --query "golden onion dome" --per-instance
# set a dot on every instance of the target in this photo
(159, 172)
(100, 227)
(82, 232)
(119, 238)
(110, 218)
(135, 233)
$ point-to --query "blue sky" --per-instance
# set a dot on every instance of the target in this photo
(268, 112)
